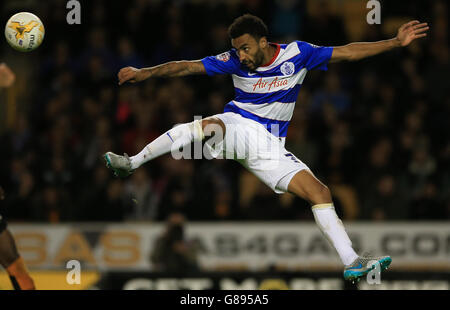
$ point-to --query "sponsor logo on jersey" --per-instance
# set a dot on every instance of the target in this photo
(275, 83)
(223, 57)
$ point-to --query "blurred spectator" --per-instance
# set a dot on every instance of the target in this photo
(422, 164)
(420, 169)
(182, 192)
(172, 252)
(23, 201)
(345, 197)
(94, 144)
(298, 142)
(427, 206)
(115, 205)
(219, 38)
(323, 27)
(216, 201)
(127, 54)
(53, 206)
(331, 94)
(91, 204)
(384, 201)
(174, 47)
(262, 204)
(57, 174)
(287, 19)
(336, 154)
(140, 190)
(378, 164)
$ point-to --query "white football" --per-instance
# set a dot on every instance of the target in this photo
(24, 31)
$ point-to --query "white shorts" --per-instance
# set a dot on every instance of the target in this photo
(252, 145)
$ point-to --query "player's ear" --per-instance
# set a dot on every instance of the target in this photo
(263, 42)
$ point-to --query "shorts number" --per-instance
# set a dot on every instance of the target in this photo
(291, 156)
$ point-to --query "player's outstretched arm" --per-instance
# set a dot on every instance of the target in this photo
(170, 69)
(354, 51)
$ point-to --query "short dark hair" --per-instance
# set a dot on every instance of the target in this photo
(250, 24)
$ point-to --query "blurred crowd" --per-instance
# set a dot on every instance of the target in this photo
(375, 131)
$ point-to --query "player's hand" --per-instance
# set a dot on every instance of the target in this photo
(410, 31)
(7, 77)
(130, 74)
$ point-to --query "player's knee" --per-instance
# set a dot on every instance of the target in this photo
(320, 194)
(213, 124)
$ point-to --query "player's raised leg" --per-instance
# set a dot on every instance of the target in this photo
(172, 139)
(305, 185)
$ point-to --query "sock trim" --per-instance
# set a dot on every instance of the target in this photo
(323, 206)
(169, 136)
(198, 130)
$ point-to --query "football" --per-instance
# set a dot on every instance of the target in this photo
(24, 31)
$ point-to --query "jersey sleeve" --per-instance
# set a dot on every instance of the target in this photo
(225, 63)
(315, 57)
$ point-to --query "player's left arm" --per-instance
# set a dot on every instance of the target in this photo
(355, 51)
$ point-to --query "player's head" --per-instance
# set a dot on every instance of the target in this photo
(248, 35)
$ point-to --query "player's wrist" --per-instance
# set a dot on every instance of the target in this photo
(144, 73)
(396, 42)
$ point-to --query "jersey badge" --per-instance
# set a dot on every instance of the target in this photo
(287, 68)
(223, 57)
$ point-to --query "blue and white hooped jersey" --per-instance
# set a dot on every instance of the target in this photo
(268, 94)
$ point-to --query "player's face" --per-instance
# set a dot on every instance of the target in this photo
(249, 51)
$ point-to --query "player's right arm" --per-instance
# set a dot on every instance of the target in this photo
(169, 69)
(224, 63)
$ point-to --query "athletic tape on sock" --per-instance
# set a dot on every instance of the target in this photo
(323, 206)
(198, 130)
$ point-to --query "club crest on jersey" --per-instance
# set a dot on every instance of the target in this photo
(223, 57)
(287, 68)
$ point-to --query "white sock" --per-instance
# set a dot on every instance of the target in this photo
(176, 137)
(332, 227)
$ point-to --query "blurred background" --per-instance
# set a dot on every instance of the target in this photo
(375, 131)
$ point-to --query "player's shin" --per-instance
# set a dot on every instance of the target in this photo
(19, 276)
(178, 136)
(332, 227)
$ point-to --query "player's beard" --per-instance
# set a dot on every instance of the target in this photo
(257, 62)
